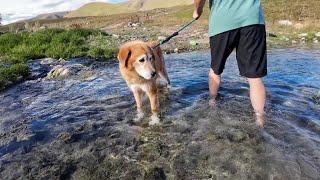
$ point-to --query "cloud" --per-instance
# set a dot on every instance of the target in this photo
(16, 10)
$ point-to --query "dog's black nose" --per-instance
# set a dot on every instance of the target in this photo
(153, 74)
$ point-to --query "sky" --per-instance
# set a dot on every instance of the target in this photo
(16, 10)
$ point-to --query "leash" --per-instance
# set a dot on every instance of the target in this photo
(174, 34)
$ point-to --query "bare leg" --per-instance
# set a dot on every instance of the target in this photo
(138, 97)
(258, 99)
(214, 84)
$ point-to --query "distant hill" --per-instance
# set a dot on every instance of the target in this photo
(48, 16)
(142, 5)
(99, 9)
(103, 9)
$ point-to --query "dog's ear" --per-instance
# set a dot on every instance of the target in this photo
(124, 55)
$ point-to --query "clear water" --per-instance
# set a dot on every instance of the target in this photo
(55, 128)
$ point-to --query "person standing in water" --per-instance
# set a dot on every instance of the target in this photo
(240, 25)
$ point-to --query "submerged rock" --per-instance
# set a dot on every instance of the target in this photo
(65, 137)
(65, 71)
(38, 70)
(237, 136)
(58, 72)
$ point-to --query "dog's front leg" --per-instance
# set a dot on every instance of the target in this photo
(154, 102)
(137, 93)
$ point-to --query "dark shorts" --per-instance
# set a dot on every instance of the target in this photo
(250, 45)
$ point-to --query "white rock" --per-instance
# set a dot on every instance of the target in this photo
(303, 35)
(47, 61)
(317, 34)
(285, 23)
(161, 38)
(135, 24)
(115, 36)
(176, 50)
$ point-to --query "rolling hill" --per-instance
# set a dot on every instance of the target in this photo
(99, 9)
(54, 15)
(143, 5)
(103, 9)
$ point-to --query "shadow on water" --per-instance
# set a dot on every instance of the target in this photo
(78, 127)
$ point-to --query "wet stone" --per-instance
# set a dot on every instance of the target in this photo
(237, 136)
(65, 137)
(155, 173)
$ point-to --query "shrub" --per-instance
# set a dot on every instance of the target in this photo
(17, 48)
(55, 43)
(12, 74)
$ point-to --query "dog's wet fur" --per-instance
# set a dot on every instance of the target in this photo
(143, 68)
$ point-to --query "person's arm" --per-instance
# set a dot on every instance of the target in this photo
(198, 8)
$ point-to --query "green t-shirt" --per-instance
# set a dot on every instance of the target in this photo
(227, 15)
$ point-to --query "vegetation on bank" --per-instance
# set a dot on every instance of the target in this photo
(17, 48)
(12, 74)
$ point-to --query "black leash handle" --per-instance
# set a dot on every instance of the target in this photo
(174, 34)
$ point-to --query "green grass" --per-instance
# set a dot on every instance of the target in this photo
(54, 43)
(17, 48)
(12, 74)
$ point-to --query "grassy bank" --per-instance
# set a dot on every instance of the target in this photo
(17, 48)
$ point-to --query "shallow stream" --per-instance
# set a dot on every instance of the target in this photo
(80, 127)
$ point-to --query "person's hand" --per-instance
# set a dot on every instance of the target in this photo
(197, 13)
(198, 8)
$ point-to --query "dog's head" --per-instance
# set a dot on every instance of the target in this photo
(138, 57)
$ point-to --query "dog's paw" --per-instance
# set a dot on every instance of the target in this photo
(154, 120)
(139, 116)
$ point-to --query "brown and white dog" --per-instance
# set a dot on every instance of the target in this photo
(142, 67)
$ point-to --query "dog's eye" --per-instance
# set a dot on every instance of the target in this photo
(141, 60)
